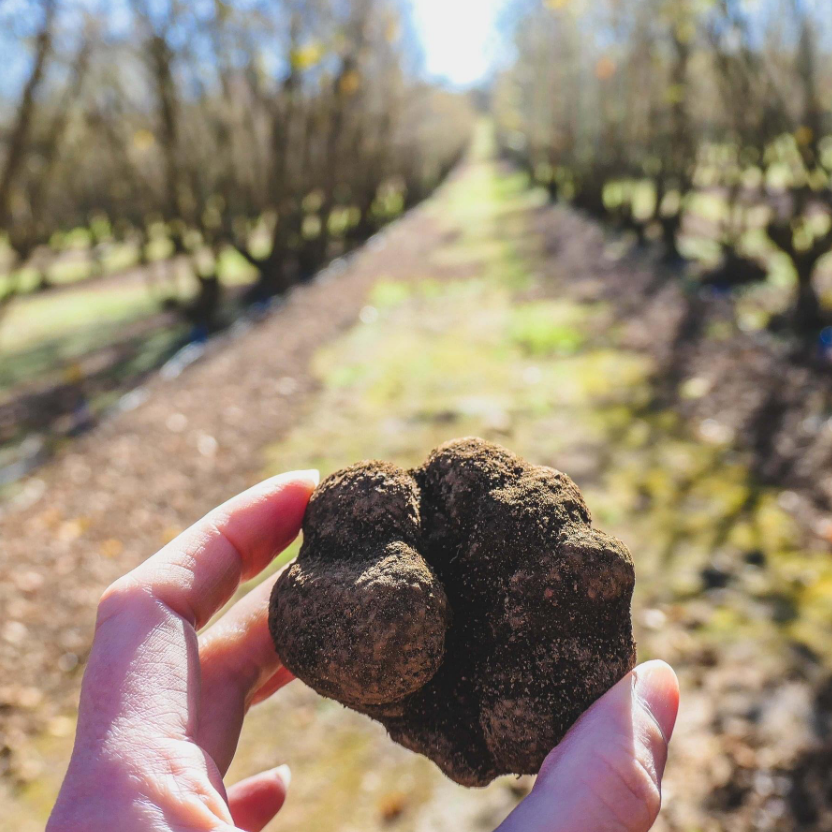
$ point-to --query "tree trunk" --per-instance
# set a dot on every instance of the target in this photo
(670, 231)
(807, 311)
(553, 189)
(203, 310)
(18, 136)
(273, 279)
(807, 315)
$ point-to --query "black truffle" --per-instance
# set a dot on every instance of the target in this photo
(468, 605)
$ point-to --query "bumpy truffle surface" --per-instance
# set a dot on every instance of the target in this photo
(468, 605)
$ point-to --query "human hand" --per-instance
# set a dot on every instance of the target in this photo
(606, 774)
(162, 708)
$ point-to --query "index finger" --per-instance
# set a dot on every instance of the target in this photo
(200, 570)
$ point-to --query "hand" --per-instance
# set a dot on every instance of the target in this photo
(606, 774)
(162, 708)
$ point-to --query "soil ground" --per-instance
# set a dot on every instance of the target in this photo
(486, 313)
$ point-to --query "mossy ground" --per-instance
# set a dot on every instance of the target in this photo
(483, 344)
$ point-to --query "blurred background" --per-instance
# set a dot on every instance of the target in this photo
(243, 236)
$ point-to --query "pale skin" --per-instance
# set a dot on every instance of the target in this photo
(164, 699)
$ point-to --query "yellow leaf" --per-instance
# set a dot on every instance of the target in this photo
(556, 5)
(685, 31)
(350, 83)
(143, 139)
(305, 57)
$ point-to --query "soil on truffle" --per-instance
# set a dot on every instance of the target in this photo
(468, 605)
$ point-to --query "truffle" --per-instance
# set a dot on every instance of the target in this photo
(468, 605)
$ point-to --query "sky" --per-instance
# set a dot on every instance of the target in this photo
(457, 37)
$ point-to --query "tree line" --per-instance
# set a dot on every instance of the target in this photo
(285, 132)
(633, 111)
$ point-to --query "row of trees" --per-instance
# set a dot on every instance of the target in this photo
(633, 109)
(284, 131)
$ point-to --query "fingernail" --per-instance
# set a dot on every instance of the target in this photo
(285, 774)
(657, 689)
(313, 475)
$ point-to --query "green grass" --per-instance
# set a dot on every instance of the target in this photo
(43, 336)
(50, 317)
(53, 358)
(234, 270)
(73, 266)
(41, 333)
(547, 328)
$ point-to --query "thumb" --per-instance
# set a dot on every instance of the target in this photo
(605, 776)
(255, 801)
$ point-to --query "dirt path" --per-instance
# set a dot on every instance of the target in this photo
(461, 322)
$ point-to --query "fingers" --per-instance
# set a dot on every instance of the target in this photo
(141, 682)
(139, 709)
(606, 774)
(199, 571)
(239, 665)
(255, 801)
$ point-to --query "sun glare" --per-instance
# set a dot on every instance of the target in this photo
(457, 37)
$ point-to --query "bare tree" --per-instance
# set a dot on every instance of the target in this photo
(608, 103)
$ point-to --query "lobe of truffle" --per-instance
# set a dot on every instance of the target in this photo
(361, 614)
(468, 605)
